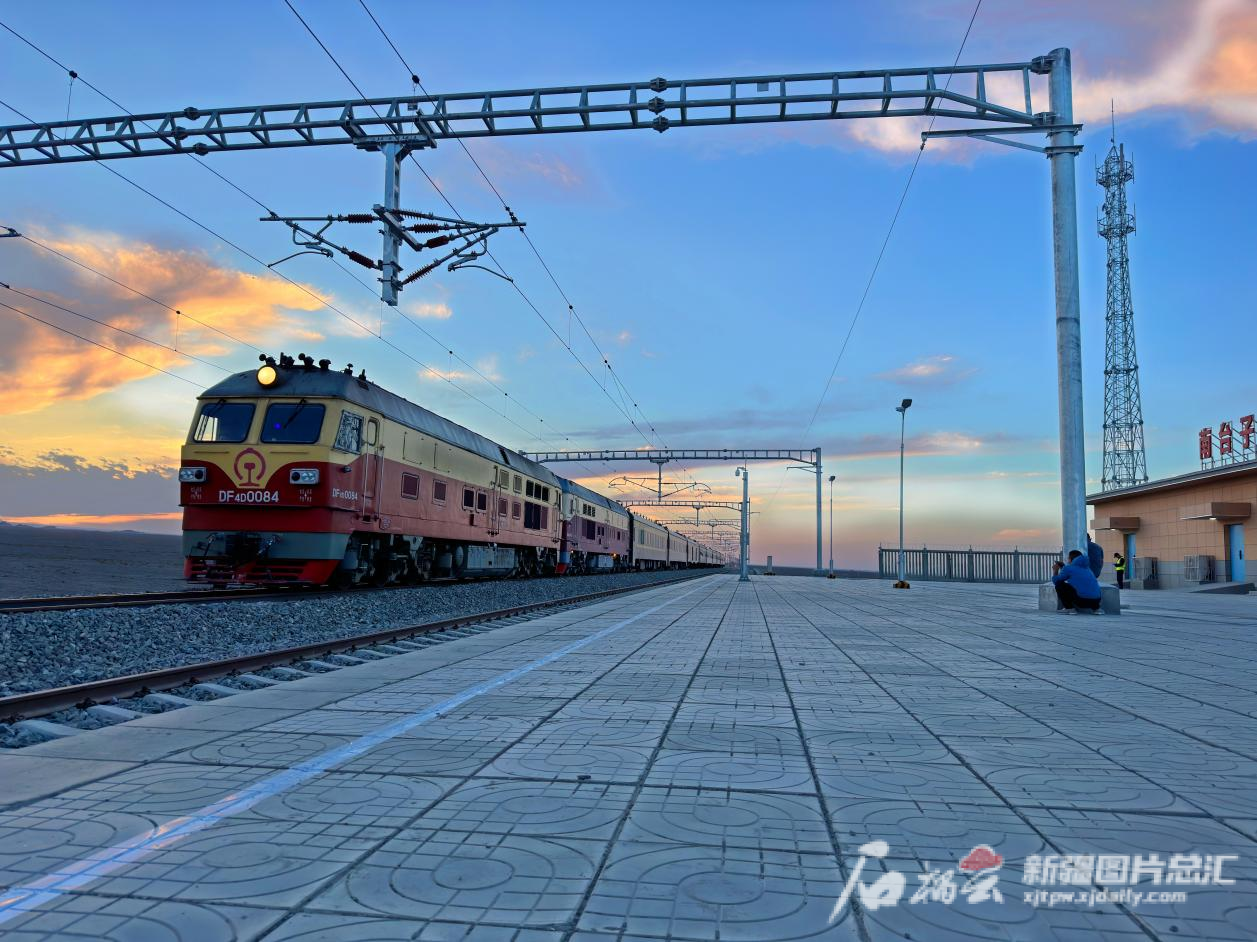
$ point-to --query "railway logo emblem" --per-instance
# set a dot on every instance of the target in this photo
(249, 468)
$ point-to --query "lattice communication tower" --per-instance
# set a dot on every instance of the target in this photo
(1124, 461)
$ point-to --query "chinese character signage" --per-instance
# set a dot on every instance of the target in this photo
(1235, 442)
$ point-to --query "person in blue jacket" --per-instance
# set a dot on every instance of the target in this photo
(1095, 557)
(1076, 585)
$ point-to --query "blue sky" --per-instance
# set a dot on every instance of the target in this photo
(719, 269)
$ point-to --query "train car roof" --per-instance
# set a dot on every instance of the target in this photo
(332, 384)
(647, 520)
(580, 490)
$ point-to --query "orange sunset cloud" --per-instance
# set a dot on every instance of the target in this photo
(46, 366)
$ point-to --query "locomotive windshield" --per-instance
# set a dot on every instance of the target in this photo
(223, 422)
(292, 423)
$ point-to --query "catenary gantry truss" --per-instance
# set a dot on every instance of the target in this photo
(959, 92)
(808, 459)
(994, 102)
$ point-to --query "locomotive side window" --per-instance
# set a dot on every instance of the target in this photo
(438, 492)
(519, 484)
(469, 498)
(482, 501)
(223, 422)
(410, 486)
(349, 435)
(528, 489)
(292, 423)
(589, 529)
(515, 509)
(501, 506)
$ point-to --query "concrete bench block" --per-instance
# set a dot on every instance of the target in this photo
(1110, 599)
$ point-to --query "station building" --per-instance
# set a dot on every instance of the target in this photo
(1189, 529)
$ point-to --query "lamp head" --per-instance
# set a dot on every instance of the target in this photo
(833, 478)
(903, 406)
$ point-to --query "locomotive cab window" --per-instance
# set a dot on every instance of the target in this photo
(223, 422)
(292, 423)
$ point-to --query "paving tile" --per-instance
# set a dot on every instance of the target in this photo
(27, 777)
(718, 714)
(590, 707)
(709, 893)
(470, 877)
(535, 809)
(775, 773)
(728, 818)
(264, 750)
(734, 740)
(554, 761)
(888, 745)
(901, 780)
(1082, 832)
(937, 832)
(389, 801)
(330, 927)
(1110, 789)
(417, 755)
(90, 917)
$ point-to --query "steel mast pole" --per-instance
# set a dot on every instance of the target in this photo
(903, 421)
(831, 525)
(390, 267)
(819, 500)
(1061, 153)
(746, 478)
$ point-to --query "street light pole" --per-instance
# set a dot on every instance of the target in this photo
(831, 525)
(902, 409)
(742, 541)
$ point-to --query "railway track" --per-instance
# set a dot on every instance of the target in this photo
(43, 702)
(64, 603)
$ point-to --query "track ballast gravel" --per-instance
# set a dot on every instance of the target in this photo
(43, 650)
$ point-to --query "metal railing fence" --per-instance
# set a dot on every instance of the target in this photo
(967, 565)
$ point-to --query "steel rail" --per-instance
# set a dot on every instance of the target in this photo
(42, 702)
(58, 603)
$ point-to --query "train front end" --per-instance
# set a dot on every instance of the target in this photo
(268, 481)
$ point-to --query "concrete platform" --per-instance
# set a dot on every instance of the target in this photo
(695, 762)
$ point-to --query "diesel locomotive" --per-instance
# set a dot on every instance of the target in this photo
(298, 474)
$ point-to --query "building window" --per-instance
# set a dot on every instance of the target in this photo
(469, 498)
(482, 502)
(438, 492)
(410, 486)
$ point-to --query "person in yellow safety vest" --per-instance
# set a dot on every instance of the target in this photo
(1119, 566)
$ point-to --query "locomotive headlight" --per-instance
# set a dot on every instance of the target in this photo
(303, 476)
(192, 475)
(267, 375)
